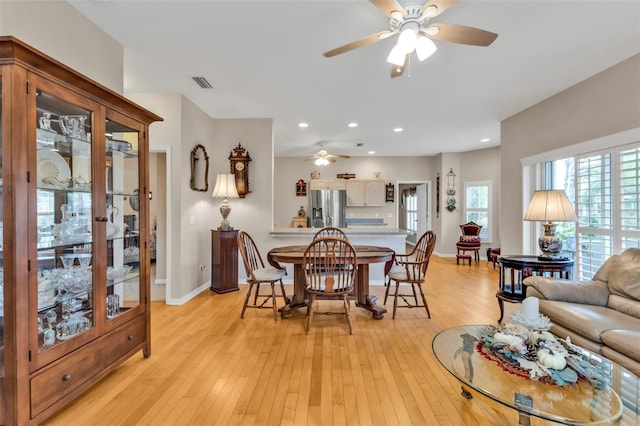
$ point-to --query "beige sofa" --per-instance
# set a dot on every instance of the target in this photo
(601, 315)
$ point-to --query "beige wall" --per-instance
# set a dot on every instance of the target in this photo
(478, 166)
(604, 104)
(59, 30)
(168, 134)
(254, 213)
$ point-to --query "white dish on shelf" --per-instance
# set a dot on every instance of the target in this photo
(52, 167)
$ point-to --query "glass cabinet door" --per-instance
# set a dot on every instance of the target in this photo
(123, 214)
(64, 214)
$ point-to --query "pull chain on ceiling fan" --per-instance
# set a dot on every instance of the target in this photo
(412, 23)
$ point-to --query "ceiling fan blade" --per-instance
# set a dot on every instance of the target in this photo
(358, 43)
(460, 34)
(388, 6)
(441, 5)
(396, 70)
(333, 156)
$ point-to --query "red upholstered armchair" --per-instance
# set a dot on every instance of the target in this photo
(469, 241)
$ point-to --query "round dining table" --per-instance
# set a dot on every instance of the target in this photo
(365, 256)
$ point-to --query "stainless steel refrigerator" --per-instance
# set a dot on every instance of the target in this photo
(328, 208)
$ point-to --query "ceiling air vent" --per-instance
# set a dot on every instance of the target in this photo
(202, 82)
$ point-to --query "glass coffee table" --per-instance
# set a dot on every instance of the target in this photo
(580, 403)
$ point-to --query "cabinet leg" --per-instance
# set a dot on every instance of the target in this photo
(146, 351)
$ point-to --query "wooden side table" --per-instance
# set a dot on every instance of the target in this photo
(514, 269)
(224, 261)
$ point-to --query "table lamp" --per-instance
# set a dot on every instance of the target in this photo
(225, 188)
(550, 205)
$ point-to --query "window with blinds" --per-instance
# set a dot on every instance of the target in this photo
(477, 207)
(605, 188)
(630, 197)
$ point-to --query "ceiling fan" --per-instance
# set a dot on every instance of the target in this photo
(412, 22)
(322, 157)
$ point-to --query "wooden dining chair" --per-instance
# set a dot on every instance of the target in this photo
(329, 266)
(330, 232)
(258, 274)
(411, 268)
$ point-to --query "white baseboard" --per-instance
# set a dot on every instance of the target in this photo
(184, 299)
(162, 281)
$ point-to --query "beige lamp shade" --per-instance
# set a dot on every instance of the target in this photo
(225, 188)
(548, 206)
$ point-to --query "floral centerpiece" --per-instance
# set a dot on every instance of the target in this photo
(539, 355)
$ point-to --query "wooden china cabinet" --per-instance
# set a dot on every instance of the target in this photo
(74, 301)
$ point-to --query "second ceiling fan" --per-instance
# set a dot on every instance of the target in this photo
(413, 24)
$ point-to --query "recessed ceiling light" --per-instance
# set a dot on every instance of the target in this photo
(485, 140)
(398, 129)
(303, 125)
(353, 124)
(372, 152)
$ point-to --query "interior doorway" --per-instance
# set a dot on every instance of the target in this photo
(159, 212)
(413, 208)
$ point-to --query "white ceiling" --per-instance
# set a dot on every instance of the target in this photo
(264, 60)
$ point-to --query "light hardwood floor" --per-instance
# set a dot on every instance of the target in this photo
(209, 367)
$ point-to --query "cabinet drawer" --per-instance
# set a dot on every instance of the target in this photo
(122, 340)
(57, 381)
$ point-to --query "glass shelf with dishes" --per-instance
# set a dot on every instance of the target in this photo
(65, 294)
(123, 202)
(64, 205)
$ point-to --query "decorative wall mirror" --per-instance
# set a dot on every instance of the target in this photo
(199, 169)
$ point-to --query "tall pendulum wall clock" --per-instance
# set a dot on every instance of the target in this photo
(239, 159)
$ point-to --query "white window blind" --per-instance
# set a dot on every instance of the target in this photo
(605, 188)
(595, 212)
(477, 207)
(630, 197)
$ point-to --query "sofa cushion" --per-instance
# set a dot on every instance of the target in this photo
(627, 342)
(605, 269)
(625, 305)
(576, 339)
(589, 292)
(624, 278)
(587, 320)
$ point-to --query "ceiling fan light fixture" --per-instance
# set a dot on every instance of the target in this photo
(407, 40)
(396, 56)
(425, 47)
(321, 162)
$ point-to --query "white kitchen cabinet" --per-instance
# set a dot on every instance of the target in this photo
(327, 184)
(365, 193)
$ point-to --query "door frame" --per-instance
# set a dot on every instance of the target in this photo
(422, 204)
(166, 150)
